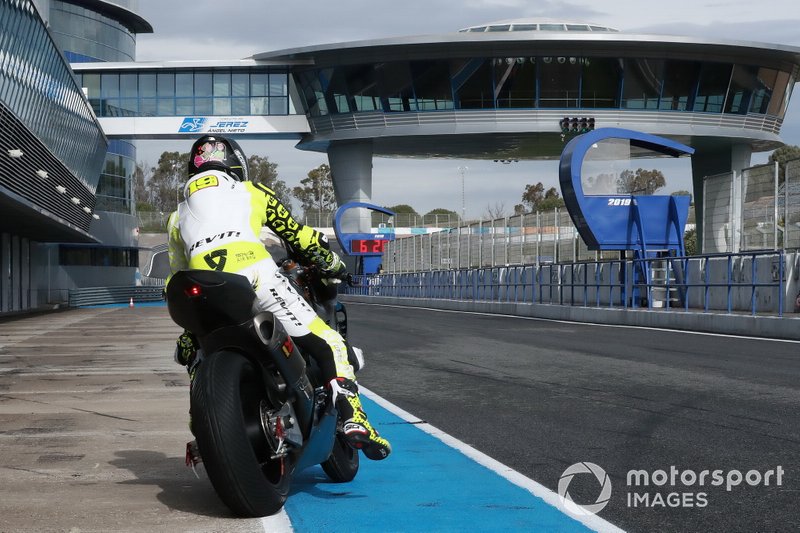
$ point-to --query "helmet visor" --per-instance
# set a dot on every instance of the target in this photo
(208, 152)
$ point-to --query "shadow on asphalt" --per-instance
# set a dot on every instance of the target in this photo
(180, 489)
(315, 482)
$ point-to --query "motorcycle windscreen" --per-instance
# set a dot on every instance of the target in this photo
(202, 301)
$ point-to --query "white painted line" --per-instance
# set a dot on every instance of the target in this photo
(540, 491)
(574, 322)
(277, 523)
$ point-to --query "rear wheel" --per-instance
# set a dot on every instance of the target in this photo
(226, 403)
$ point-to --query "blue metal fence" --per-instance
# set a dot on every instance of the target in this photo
(749, 282)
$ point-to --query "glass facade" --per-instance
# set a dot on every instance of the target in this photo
(37, 86)
(533, 26)
(191, 92)
(104, 256)
(86, 35)
(553, 82)
(114, 190)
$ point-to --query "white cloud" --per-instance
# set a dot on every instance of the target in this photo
(199, 48)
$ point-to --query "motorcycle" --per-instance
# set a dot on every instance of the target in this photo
(260, 412)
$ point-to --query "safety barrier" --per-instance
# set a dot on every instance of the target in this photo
(751, 282)
(114, 295)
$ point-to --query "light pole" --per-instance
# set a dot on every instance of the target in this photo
(463, 170)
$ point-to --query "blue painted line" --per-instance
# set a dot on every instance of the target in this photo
(425, 485)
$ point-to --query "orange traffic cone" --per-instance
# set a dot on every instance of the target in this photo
(131, 303)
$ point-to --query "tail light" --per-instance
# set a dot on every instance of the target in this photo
(194, 291)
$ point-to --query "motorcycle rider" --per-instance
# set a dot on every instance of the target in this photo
(217, 227)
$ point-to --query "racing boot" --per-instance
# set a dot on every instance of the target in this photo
(188, 354)
(355, 356)
(357, 430)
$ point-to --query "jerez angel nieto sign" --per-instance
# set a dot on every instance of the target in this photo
(217, 125)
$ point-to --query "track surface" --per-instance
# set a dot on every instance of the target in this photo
(93, 418)
(540, 396)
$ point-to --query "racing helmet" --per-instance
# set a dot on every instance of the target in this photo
(212, 152)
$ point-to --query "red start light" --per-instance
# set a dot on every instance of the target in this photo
(194, 290)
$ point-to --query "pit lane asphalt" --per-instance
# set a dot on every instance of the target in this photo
(542, 395)
(93, 413)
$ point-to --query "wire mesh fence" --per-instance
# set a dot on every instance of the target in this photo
(759, 208)
(789, 205)
(755, 209)
(398, 220)
(717, 213)
(535, 238)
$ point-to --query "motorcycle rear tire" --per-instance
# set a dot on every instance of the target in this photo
(342, 465)
(226, 420)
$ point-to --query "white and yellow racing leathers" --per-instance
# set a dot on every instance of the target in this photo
(217, 227)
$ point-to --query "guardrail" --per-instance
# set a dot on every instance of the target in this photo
(114, 295)
(754, 282)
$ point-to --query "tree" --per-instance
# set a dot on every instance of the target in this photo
(405, 215)
(535, 198)
(683, 193)
(643, 182)
(316, 195)
(782, 155)
(264, 171)
(164, 188)
(552, 199)
(498, 210)
(403, 208)
(441, 214)
(601, 184)
(690, 242)
(141, 196)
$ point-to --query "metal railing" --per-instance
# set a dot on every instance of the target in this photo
(755, 282)
(114, 295)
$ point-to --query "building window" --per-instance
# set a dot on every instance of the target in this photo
(181, 93)
(394, 80)
(600, 82)
(432, 86)
(559, 82)
(514, 82)
(680, 85)
(715, 78)
(104, 256)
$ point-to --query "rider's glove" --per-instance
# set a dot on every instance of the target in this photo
(186, 349)
(336, 269)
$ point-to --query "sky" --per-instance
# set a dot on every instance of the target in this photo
(206, 29)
